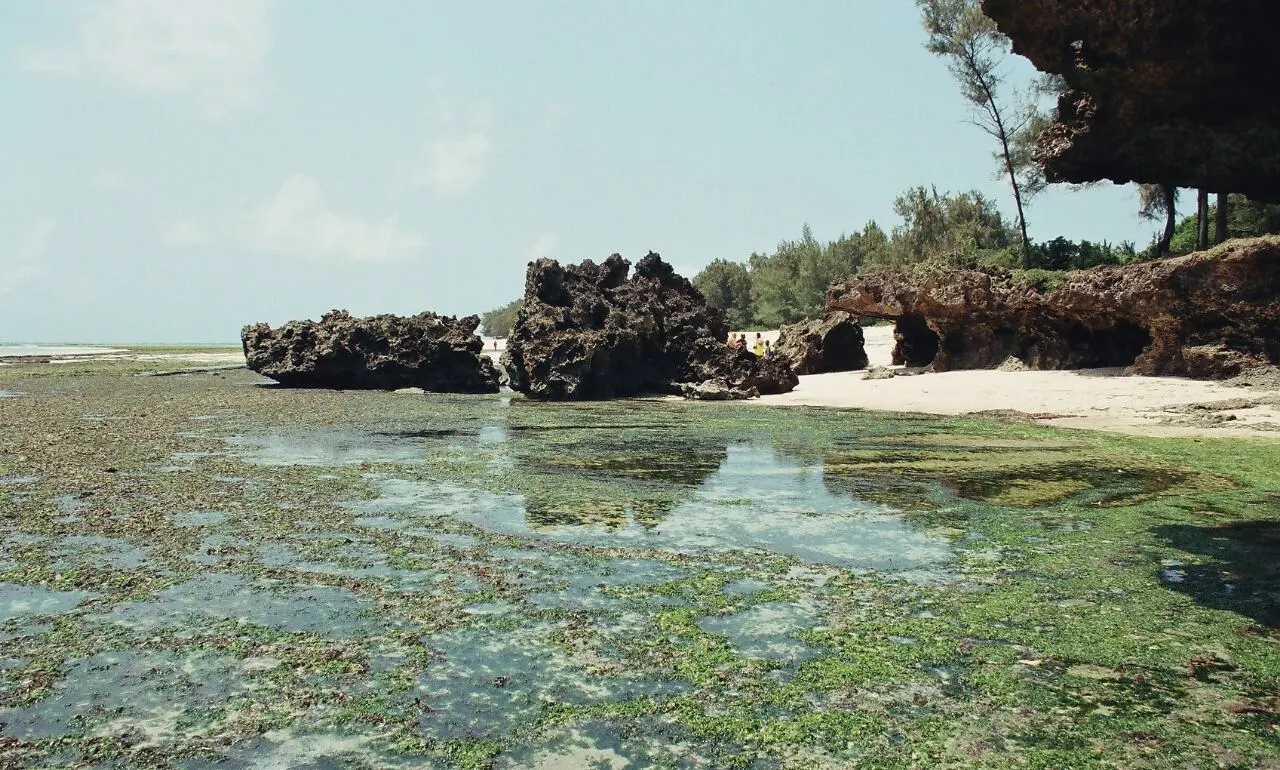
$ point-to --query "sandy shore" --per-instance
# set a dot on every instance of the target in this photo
(1098, 399)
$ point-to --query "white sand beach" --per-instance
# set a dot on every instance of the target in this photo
(1099, 399)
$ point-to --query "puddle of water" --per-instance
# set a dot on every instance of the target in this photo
(198, 518)
(332, 612)
(146, 695)
(329, 449)
(18, 601)
(374, 566)
(602, 745)
(587, 589)
(487, 682)
(764, 631)
(756, 501)
(1172, 571)
(10, 394)
(308, 750)
(96, 550)
(7, 480)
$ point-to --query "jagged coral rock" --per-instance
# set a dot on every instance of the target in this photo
(589, 331)
(385, 352)
(832, 343)
(1208, 315)
(1165, 91)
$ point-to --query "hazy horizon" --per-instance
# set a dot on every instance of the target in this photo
(179, 170)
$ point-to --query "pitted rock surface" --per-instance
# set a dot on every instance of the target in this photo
(595, 331)
(1209, 315)
(832, 343)
(384, 352)
(1163, 91)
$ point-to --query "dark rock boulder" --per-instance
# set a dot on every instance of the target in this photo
(1162, 91)
(1208, 315)
(384, 352)
(832, 343)
(592, 331)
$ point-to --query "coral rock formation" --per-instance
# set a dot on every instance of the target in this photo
(589, 331)
(832, 343)
(1164, 91)
(1207, 315)
(384, 352)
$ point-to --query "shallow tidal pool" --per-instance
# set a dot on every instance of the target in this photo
(202, 571)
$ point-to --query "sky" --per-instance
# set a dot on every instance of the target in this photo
(171, 170)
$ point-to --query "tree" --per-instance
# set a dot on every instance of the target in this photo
(788, 285)
(1202, 219)
(944, 225)
(499, 321)
(727, 286)
(975, 48)
(1156, 201)
(1222, 223)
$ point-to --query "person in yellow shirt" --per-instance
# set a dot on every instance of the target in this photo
(758, 347)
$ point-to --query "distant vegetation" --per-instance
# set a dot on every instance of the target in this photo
(499, 322)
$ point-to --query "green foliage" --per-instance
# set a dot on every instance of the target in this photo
(1063, 254)
(791, 284)
(499, 321)
(938, 225)
(727, 285)
(1245, 219)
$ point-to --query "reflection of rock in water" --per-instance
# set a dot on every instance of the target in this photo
(1018, 474)
(754, 500)
(634, 477)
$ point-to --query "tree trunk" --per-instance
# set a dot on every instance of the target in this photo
(1170, 218)
(1220, 226)
(1202, 219)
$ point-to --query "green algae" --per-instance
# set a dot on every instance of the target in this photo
(1090, 600)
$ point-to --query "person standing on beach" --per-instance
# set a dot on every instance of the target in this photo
(758, 347)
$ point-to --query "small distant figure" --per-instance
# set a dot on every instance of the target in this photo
(758, 346)
(766, 347)
(495, 343)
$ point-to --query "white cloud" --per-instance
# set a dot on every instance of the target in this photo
(114, 180)
(544, 246)
(27, 260)
(211, 50)
(454, 158)
(184, 234)
(297, 222)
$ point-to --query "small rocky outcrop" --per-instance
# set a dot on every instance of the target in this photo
(594, 331)
(832, 343)
(384, 352)
(1163, 91)
(1209, 315)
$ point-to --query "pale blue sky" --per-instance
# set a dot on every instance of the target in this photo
(173, 169)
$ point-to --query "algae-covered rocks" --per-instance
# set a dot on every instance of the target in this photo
(383, 352)
(590, 331)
